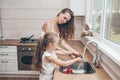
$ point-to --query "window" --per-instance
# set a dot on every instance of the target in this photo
(112, 19)
(96, 15)
(106, 19)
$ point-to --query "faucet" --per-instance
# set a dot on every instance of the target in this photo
(95, 57)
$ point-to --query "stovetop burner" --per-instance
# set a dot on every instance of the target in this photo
(30, 41)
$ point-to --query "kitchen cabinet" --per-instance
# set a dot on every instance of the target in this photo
(78, 7)
(8, 59)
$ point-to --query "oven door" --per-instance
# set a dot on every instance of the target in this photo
(25, 59)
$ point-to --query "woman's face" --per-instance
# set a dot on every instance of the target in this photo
(63, 18)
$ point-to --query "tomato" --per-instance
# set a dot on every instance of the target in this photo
(69, 70)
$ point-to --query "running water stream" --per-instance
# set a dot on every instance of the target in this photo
(80, 68)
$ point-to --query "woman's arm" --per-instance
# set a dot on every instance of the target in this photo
(67, 46)
(72, 53)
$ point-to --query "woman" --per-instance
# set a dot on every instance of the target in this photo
(63, 25)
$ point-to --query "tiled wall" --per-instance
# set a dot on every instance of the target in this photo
(79, 23)
(22, 18)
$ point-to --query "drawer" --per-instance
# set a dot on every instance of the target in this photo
(8, 56)
(8, 48)
(8, 69)
(2, 67)
(8, 64)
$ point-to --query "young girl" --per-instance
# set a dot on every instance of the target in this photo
(45, 58)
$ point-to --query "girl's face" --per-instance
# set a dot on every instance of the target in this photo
(63, 18)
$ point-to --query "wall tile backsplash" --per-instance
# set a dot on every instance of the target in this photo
(19, 20)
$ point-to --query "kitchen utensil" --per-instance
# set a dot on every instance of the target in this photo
(26, 38)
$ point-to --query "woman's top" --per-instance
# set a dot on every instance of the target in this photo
(42, 33)
(52, 29)
(48, 68)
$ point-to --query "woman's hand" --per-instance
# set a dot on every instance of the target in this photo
(78, 59)
(75, 54)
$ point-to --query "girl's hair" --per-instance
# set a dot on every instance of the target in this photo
(41, 47)
(67, 29)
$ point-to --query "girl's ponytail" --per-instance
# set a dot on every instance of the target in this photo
(37, 59)
(41, 47)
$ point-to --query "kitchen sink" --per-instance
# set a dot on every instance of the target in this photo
(78, 68)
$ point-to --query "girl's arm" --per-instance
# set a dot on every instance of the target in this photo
(64, 52)
(63, 63)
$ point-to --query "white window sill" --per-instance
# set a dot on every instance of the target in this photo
(110, 52)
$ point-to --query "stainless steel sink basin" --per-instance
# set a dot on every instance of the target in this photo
(78, 68)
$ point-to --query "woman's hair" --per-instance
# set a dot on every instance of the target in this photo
(67, 29)
(41, 47)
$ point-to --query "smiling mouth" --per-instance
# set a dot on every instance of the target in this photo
(62, 22)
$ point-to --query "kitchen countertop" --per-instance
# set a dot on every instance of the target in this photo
(100, 73)
(15, 42)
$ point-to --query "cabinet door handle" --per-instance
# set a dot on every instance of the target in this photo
(4, 61)
(3, 46)
(3, 54)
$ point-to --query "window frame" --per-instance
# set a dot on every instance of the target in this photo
(101, 36)
(97, 33)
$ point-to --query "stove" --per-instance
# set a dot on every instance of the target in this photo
(29, 41)
(25, 55)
